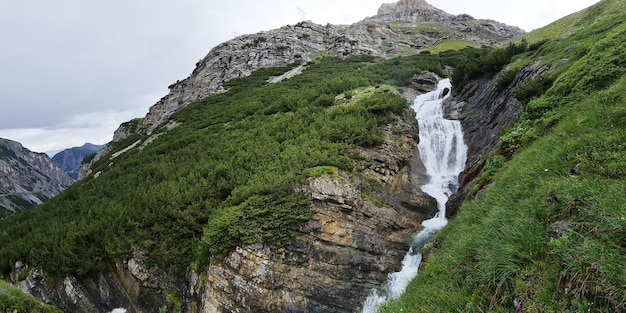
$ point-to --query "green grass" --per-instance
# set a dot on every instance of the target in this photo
(14, 300)
(451, 44)
(422, 28)
(567, 164)
(499, 248)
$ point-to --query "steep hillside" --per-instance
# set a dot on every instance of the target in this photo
(315, 174)
(70, 160)
(544, 226)
(27, 179)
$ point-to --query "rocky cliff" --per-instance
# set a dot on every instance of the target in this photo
(432, 25)
(347, 248)
(70, 160)
(27, 179)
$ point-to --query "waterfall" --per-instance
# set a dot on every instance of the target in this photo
(443, 153)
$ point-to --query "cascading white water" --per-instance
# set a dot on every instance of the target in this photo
(443, 153)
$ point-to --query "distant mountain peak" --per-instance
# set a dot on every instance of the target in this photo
(70, 160)
(406, 5)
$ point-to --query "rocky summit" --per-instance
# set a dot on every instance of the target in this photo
(27, 178)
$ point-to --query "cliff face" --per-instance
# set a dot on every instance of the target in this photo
(27, 179)
(347, 248)
(484, 112)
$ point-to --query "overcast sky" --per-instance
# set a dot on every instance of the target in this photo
(71, 71)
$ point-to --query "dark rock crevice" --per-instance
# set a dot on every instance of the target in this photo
(484, 112)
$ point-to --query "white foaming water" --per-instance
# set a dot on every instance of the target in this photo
(119, 310)
(443, 153)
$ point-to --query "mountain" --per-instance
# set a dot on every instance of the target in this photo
(406, 27)
(70, 160)
(27, 179)
(260, 184)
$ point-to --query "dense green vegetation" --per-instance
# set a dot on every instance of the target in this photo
(15, 301)
(450, 44)
(548, 230)
(225, 176)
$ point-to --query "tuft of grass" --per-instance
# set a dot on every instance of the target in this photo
(14, 300)
(318, 171)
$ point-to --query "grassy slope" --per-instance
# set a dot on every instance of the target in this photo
(14, 300)
(500, 247)
(225, 176)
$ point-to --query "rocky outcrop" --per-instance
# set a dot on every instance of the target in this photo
(347, 248)
(411, 10)
(27, 179)
(70, 160)
(425, 25)
(128, 284)
(484, 112)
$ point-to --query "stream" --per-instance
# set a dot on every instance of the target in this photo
(443, 153)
